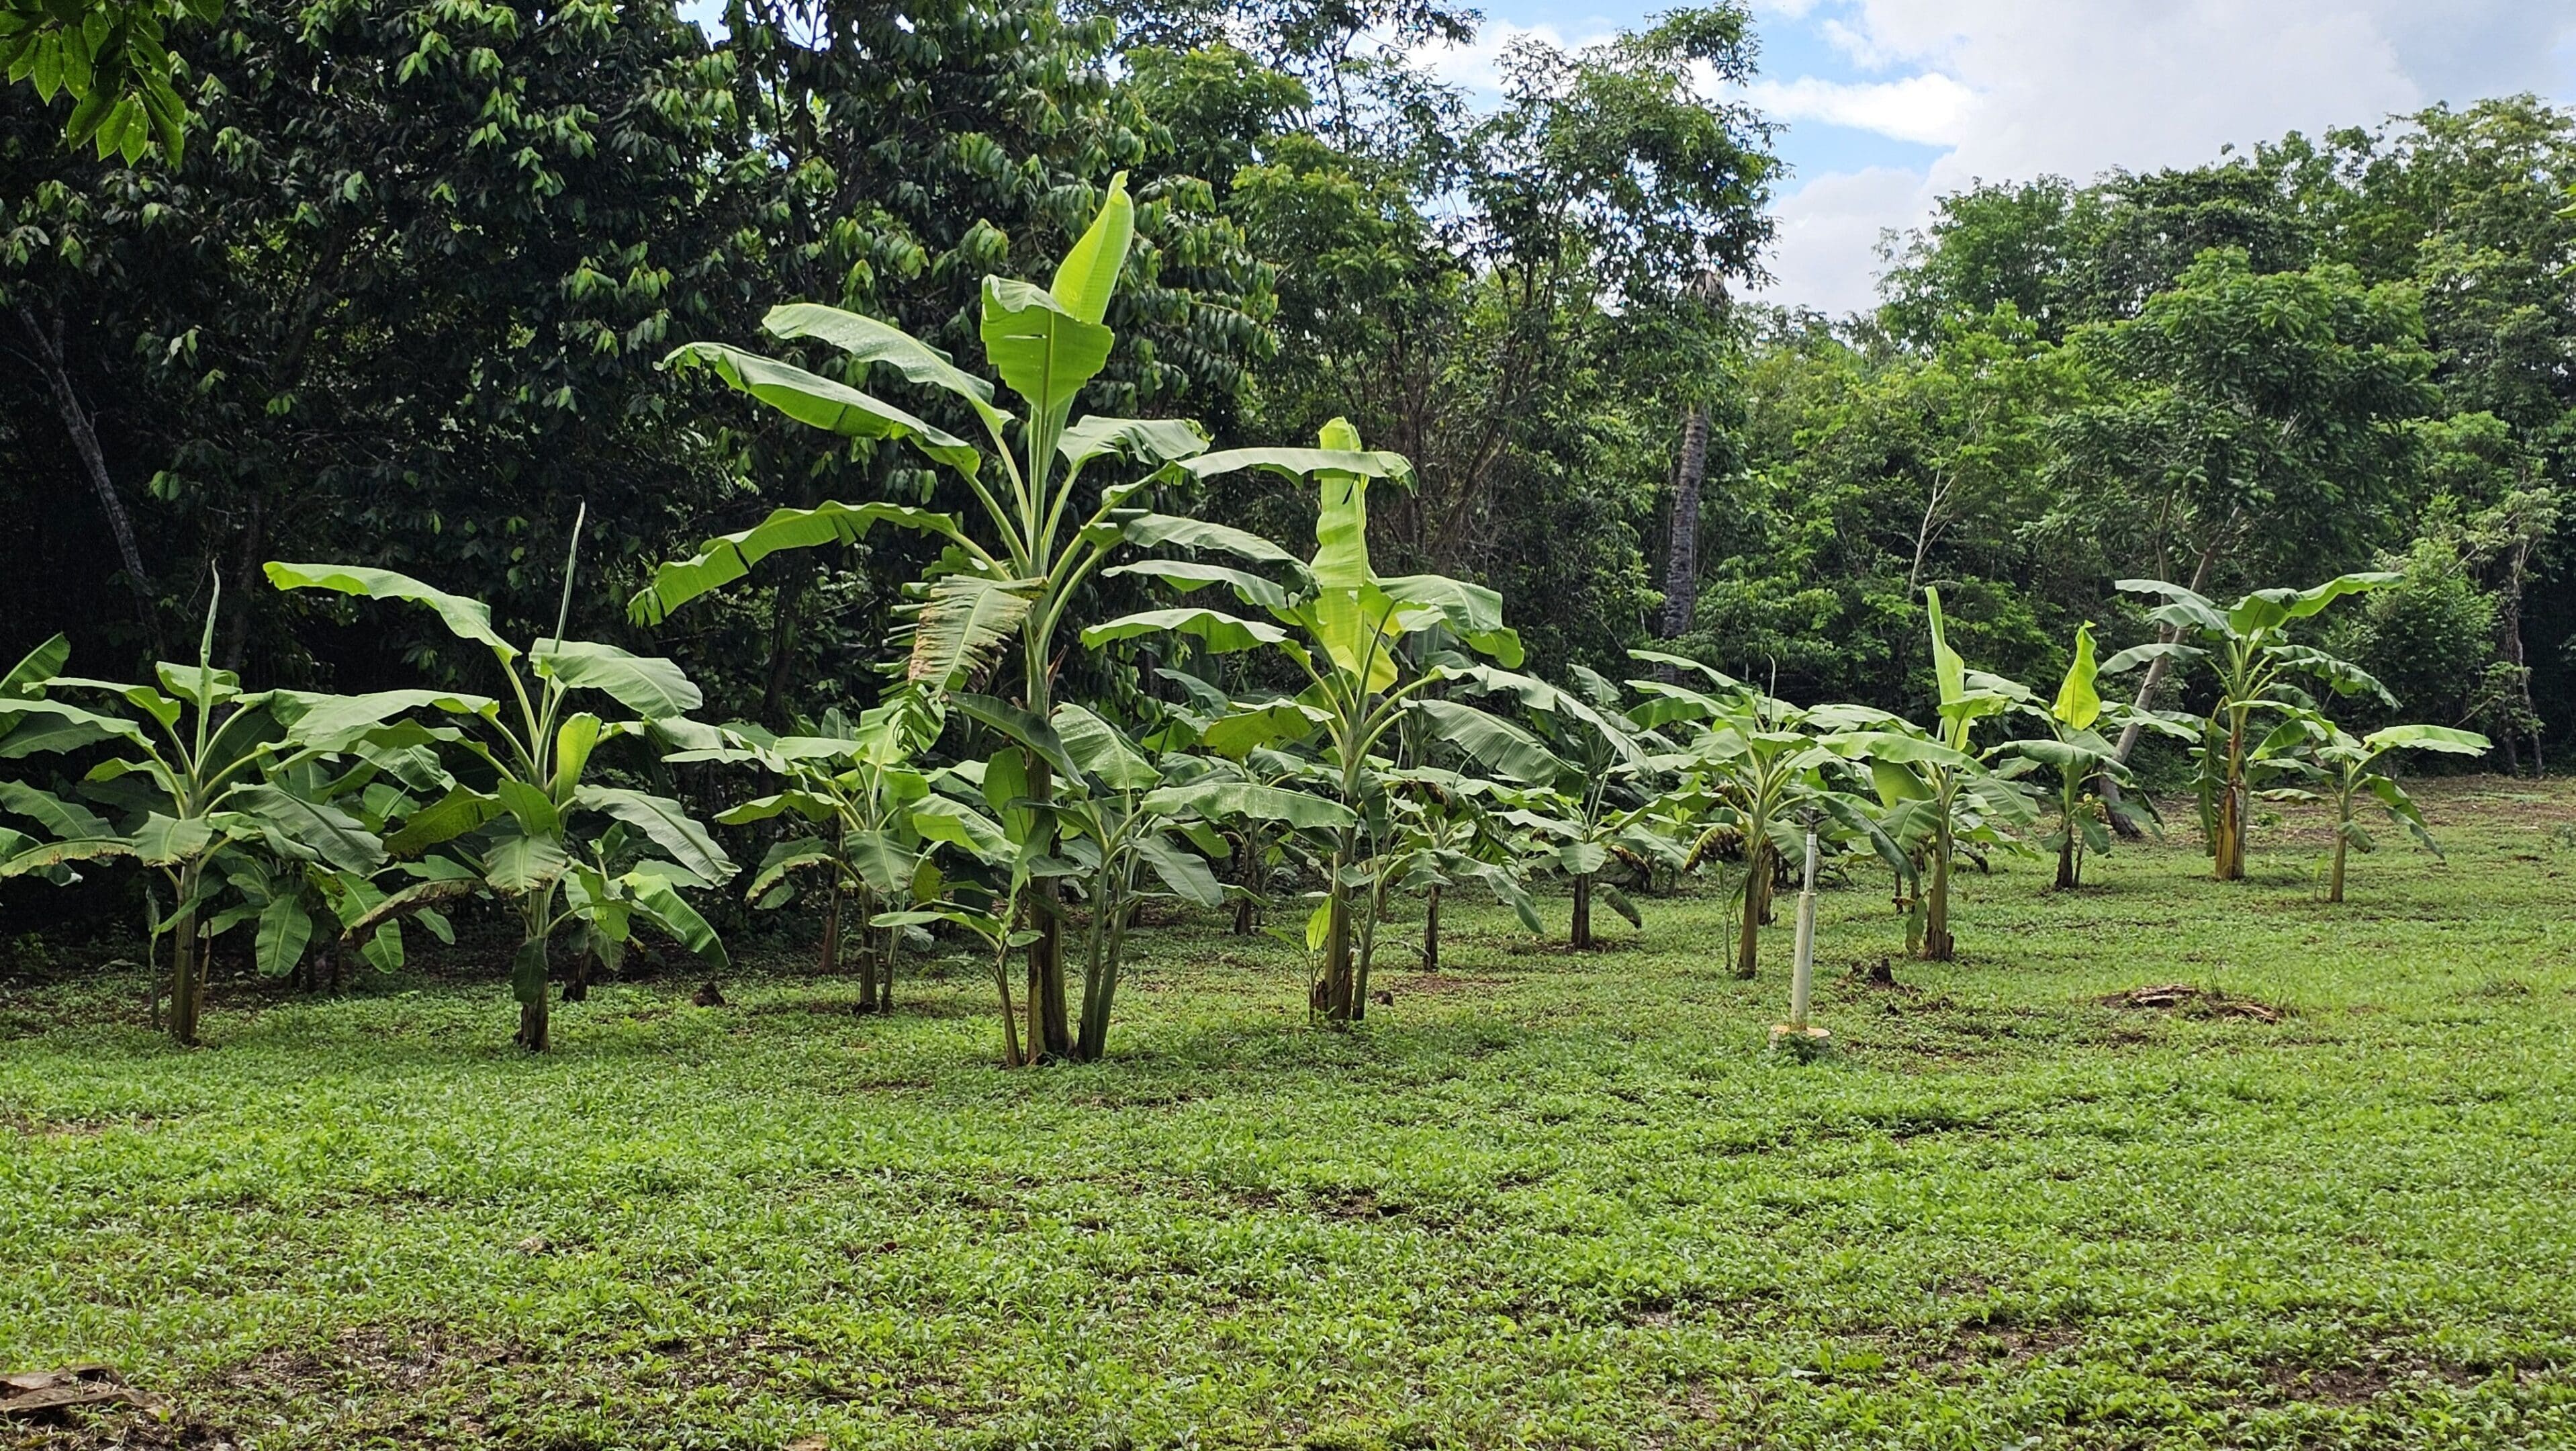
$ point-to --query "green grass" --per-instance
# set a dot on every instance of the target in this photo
(1557, 1200)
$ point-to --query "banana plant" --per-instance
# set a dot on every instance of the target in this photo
(199, 770)
(520, 819)
(1344, 628)
(1763, 768)
(1131, 827)
(1447, 831)
(2079, 754)
(1606, 807)
(852, 786)
(2341, 769)
(2247, 649)
(1043, 529)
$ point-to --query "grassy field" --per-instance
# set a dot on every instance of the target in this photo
(1545, 1199)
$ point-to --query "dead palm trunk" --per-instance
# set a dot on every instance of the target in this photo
(1681, 547)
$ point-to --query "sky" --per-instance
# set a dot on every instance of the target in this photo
(1889, 104)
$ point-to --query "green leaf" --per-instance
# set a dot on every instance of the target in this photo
(1044, 352)
(1022, 728)
(530, 806)
(666, 823)
(1472, 611)
(284, 929)
(167, 841)
(885, 864)
(56, 853)
(1302, 463)
(1224, 801)
(574, 741)
(28, 676)
(518, 864)
(1088, 276)
(785, 857)
(1153, 441)
(1243, 732)
(1188, 575)
(649, 685)
(1101, 750)
(325, 830)
(2181, 606)
(819, 402)
(50, 725)
(1185, 873)
(467, 619)
(1223, 633)
(1492, 742)
(664, 907)
(1151, 531)
(453, 815)
(728, 557)
(2078, 704)
(65, 819)
(870, 341)
(338, 722)
(2426, 738)
(938, 818)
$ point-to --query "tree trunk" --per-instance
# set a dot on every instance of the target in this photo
(1583, 912)
(1248, 877)
(1431, 929)
(1334, 992)
(1937, 943)
(2069, 875)
(1681, 547)
(1050, 1030)
(77, 422)
(2334, 878)
(186, 982)
(245, 581)
(528, 982)
(1748, 938)
(827, 953)
(2230, 846)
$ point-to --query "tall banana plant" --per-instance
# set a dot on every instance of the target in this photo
(520, 819)
(2340, 769)
(1343, 628)
(2254, 665)
(1041, 528)
(193, 773)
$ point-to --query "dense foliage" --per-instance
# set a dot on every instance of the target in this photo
(439, 282)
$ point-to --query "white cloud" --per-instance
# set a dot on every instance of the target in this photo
(1930, 108)
(2019, 87)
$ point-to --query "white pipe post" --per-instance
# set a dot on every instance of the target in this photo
(1802, 979)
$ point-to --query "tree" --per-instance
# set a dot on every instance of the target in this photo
(2342, 767)
(2247, 650)
(521, 820)
(1351, 626)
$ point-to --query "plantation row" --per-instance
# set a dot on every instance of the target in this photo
(1372, 735)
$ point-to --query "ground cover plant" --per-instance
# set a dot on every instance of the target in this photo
(2315, 1193)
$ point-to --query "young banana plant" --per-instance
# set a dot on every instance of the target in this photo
(2080, 754)
(1604, 811)
(520, 820)
(200, 771)
(853, 786)
(2341, 769)
(1342, 627)
(1762, 767)
(2248, 652)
